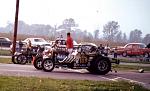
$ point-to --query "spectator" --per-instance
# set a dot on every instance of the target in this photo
(20, 45)
(29, 44)
(29, 47)
(17, 47)
(69, 43)
(106, 49)
(101, 49)
(115, 52)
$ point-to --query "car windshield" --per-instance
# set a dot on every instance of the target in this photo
(61, 42)
(39, 40)
(46, 45)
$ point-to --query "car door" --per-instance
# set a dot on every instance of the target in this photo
(135, 49)
(128, 49)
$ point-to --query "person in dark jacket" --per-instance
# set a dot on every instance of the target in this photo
(20, 45)
(115, 52)
(101, 49)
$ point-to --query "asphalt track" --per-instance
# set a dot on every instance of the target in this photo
(64, 73)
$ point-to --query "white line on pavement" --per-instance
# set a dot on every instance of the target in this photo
(122, 78)
(75, 70)
(130, 80)
(106, 78)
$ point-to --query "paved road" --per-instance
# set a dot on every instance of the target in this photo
(122, 63)
(61, 73)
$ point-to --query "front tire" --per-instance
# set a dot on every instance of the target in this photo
(48, 65)
(21, 59)
(38, 63)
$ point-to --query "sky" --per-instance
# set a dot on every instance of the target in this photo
(89, 14)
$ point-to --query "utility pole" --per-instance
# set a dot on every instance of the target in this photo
(15, 30)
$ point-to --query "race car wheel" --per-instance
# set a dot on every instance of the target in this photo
(15, 59)
(48, 65)
(102, 66)
(21, 59)
(38, 63)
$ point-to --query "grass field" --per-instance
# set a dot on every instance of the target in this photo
(5, 52)
(47, 84)
(5, 60)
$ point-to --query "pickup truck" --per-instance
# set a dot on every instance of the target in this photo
(134, 49)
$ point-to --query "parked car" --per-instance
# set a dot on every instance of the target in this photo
(5, 42)
(37, 41)
(134, 49)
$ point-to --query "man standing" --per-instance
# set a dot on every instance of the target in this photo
(69, 46)
(115, 52)
(20, 45)
(101, 49)
(69, 43)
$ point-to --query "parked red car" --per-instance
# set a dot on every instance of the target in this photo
(134, 49)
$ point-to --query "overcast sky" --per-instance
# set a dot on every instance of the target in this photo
(89, 14)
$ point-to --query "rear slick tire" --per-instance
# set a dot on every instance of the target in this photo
(102, 66)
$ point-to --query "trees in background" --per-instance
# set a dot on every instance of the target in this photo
(96, 34)
(125, 40)
(67, 24)
(146, 39)
(118, 37)
(110, 30)
(135, 36)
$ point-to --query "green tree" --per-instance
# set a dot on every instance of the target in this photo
(110, 30)
(67, 24)
(125, 37)
(118, 37)
(146, 39)
(96, 34)
(135, 36)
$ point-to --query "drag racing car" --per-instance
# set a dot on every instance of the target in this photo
(84, 56)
